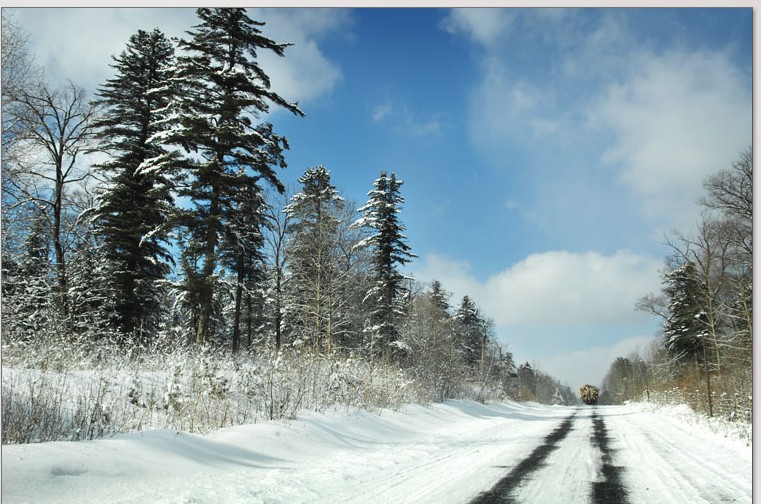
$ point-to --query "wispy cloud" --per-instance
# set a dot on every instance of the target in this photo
(529, 216)
(605, 109)
(85, 57)
(505, 108)
(422, 126)
(381, 111)
(673, 120)
(482, 25)
(406, 121)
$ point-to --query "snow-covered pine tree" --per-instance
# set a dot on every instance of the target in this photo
(220, 91)
(685, 329)
(440, 298)
(312, 261)
(446, 344)
(389, 249)
(444, 360)
(91, 295)
(473, 332)
(28, 312)
(133, 213)
(527, 382)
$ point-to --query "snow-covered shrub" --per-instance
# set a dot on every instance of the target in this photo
(52, 406)
(670, 404)
(48, 397)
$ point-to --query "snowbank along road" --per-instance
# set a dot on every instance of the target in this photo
(458, 452)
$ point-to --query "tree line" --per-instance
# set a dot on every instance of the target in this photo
(153, 216)
(705, 342)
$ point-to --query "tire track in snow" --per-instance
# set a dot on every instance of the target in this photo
(668, 461)
(502, 491)
(611, 489)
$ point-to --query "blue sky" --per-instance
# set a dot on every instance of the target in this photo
(546, 153)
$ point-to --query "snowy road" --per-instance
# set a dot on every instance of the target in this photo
(619, 455)
(459, 452)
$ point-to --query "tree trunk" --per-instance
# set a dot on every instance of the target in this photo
(278, 307)
(249, 319)
(57, 241)
(206, 298)
(708, 378)
(238, 297)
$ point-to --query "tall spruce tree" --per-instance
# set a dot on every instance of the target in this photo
(312, 261)
(687, 327)
(134, 211)
(389, 249)
(473, 332)
(220, 91)
(684, 330)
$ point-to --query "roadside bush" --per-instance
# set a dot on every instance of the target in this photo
(90, 396)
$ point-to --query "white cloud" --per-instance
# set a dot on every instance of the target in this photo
(316, 23)
(484, 26)
(454, 275)
(547, 104)
(590, 365)
(571, 313)
(599, 51)
(676, 119)
(303, 75)
(77, 43)
(553, 289)
(511, 204)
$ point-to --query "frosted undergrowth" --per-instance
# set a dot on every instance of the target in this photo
(188, 391)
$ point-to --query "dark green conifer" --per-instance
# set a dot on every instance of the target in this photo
(220, 91)
(389, 249)
(133, 213)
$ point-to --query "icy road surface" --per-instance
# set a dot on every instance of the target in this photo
(458, 452)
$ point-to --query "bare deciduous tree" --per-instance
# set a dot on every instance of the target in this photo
(278, 223)
(19, 73)
(54, 130)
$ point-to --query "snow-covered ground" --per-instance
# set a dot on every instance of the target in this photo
(443, 453)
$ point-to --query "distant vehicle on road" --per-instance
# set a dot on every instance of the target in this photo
(589, 394)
